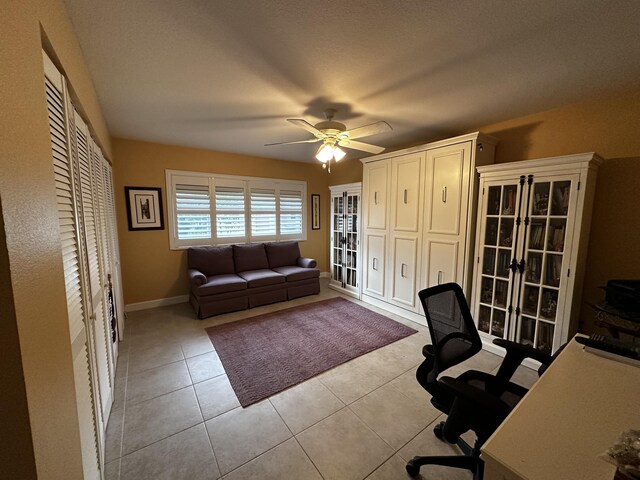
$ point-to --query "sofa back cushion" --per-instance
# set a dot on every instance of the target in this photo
(282, 254)
(250, 257)
(211, 260)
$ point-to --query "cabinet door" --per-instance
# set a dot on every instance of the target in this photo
(376, 177)
(337, 238)
(403, 281)
(406, 175)
(545, 254)
(497, 251)
(447, 167)
(351, 240)
(442, 261)
(375, 266)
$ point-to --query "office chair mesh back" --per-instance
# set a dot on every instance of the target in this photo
(453, 333)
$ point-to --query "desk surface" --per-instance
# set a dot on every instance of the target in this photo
(572, 414)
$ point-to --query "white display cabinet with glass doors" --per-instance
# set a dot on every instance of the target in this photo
(533, 224)
(345, 238)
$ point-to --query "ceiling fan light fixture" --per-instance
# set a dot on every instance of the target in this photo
(338, 153)
(325, 153)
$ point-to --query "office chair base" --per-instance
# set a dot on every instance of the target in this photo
(472, 464)
(468, 461)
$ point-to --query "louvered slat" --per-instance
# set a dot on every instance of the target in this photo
(192, 201)
(290, 212)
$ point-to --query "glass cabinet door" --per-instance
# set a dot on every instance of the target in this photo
(337, 228)
(500, 209)
(549, 211)
(351, 240)
(345, 240)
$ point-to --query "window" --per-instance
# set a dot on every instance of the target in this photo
(290, 212)
(230, 211)
(263, 212)
(193, 211)
(207, 209)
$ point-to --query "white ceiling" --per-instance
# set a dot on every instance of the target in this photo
(224, 75)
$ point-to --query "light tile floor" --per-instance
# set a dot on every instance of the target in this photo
(175, 415)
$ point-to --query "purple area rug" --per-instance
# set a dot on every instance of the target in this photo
(266, 354)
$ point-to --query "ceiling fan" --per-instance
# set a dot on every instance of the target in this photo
(334, 135)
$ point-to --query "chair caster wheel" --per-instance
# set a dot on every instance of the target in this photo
(437, 430)
(412, 470)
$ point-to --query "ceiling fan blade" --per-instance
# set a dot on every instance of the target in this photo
(361, 146)
(299, 122)
(311, 140)
(372, 129)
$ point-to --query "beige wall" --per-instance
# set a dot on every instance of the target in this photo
(150, 270)
(607, 124)
(38, 305)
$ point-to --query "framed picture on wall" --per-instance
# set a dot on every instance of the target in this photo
(315, 211)
(144, 208)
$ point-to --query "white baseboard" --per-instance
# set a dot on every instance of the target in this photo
(160, 302)
(324, 275)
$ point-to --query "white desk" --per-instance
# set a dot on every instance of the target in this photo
(571, 415)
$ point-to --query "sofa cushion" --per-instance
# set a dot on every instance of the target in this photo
(281, 254)
(221, 284)
(294, 273)
(261, 278)
(211, 260)
(250, 257)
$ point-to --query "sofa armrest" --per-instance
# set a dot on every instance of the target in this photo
(307, 262)
(196, 277)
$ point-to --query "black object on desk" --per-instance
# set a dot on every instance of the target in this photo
(623, 295)
(611, 345)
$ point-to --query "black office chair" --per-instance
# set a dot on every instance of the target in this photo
(475, 400)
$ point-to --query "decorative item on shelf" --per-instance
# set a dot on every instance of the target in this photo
(315, 211)
(625, 455)
(144, 208)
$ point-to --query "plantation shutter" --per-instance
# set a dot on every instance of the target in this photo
(230, 211)
(193, 210)
(290, 212)
(66, 184)
(263, 212)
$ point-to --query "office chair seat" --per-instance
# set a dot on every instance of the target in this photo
(474, 400)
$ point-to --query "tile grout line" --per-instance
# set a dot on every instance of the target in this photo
(204, 422)
(293, 435)
(124, 411)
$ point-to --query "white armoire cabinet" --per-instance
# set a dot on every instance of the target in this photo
(345, 238)
(533, 225)
(419, 219)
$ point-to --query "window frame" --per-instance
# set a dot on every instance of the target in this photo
(174, 177)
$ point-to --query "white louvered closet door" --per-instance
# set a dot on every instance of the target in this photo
(112, 230)
(104, 252)
(92, 240)
(67, 194)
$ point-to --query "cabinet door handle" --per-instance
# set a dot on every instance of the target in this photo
(402, 270)
(444, 194)
(440, 277)
(405, 196)
(375, 263)
(375, 198)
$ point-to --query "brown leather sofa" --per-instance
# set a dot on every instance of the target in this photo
(236, 277)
